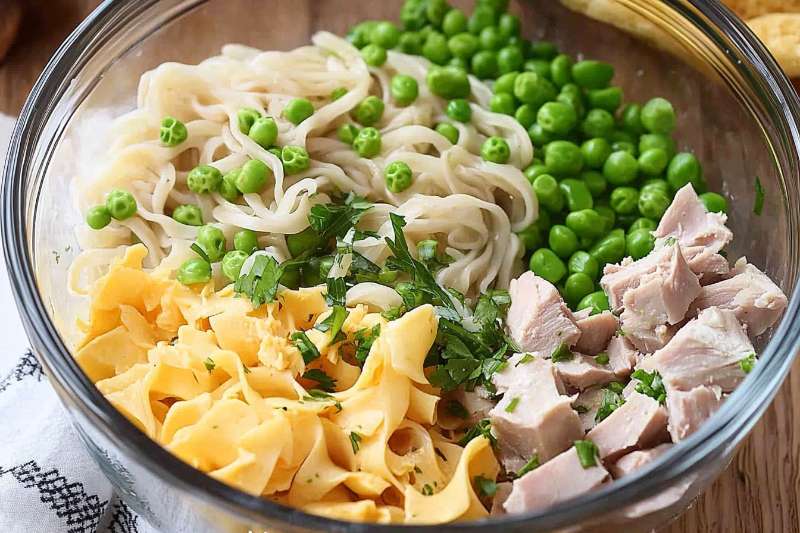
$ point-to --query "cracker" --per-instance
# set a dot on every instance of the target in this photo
(748, 9)
(781, 34)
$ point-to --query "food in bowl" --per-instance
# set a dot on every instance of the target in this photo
(311, 272)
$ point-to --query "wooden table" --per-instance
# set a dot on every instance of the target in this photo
(759, 492)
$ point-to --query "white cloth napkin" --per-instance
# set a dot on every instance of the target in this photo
(48, 481)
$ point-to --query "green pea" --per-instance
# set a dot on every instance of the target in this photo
(295, 159)
(503, 103)
(563, 158)
(482, 17)
(572, 95)
(338, 93)
(275, 150)
(299, 243)
(414, 14)
(562, 240)
(643, 223)
(577, 194)
(484, 65)
(546, 264)
(188, 214)
(385, 34)
(531, 237)
(246, 117)
(435, 49)
(639, 243)
(653, 162)
(591, 74)
(404, 89)
(656, 183)
(369, 111)
(204, 179)
(253, 177)
(649, 141)
(98, 217)
(548, 192)
(624, 200)
(212, 241)
(436, 11)
(609, 99)
(608, 215)
(544, 221)
(538, 135)
(449, 131)
(448, 82)
(585, 223)
(232, 264)
(622, 136)
(509, 59)
(368, 143)
(228, 188)
(505, 83)
(297, 110)
(459, 63)
(561, 70)
(374, 55)
(459, 110)
(658, 116)
(496, 150)
(534, 171)
(714, 203)
(624, 146)
(526, 115)
(246, 241)
(411, 42)
(509, 25)
(596, 301)
(653, 203)
(538, 66)
(684, 168)
(625, 220)
(557, 118)
(173, 132)
(543, 50)
(595, 152)
(598, 123)
(347, 133)
(360, 34)
(576, 287)
(582, 263)
(194, 271)
(398, 176)
(530, 88)
(595, 182)
(264, 132)
(454, 22)
(491, 39)
(121, 204)
(609, 249)
(620, 168)
(463, 45)
(631, 119)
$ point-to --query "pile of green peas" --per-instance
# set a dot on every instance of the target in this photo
(212, 242)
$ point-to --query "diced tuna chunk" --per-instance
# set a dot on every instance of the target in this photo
(621, 356)
(476, 403)
(500, 496)
(754, 298)
(587, 404)
(533, 417)
(582, 372)
(689, 409)
(705, 351)
(627, 464)
(687, 220)
(596, 331)
(640, 422)
(538, 320)
(557, 480)
(709, 266)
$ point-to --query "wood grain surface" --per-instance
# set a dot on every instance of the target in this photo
(759, 490)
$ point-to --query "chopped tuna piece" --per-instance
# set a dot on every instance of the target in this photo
(621, 356)
(688, 221)
(709, 266)
(538, 320)
(754, 298)
(557, 480)
(533, 417)
(587, 404)
(689, 409)
(632, 462)
(582, 372)
(641, 422)
(476, 403)
(500, 496)
(705, 351)
(596, 331)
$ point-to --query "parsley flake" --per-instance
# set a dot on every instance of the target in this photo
(650, 384)
(209, 364)
(758, 201)
(532, 464)
(482, 429)
(512, 405)
(562, 353)
(355, 441)
(324, 381)
(748, 362)
(587, 453)
(486, 487)
(307, 348)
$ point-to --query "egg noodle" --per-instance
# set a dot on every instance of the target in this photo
(218, 381)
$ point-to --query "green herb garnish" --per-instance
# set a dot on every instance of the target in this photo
(482, 429)
(456, 409)
(324, 381)
(486, 487)
(758, 201)
(260, 284)
(355, 441)
(748, 362)
(601, 358)
(209, 364)
(316, 395)
(307, 348)
(333, 323)
(651, 385)
(427, 490)
(587, 453)
(512, 405)
(562, 353)
(364, 339)
(525, 359)
(610, 402)
(532, 464)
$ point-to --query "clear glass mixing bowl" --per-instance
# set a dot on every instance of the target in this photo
(737, 111)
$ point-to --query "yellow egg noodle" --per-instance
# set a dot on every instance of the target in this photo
(217, 381)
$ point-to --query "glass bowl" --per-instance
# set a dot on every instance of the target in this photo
(736, 110)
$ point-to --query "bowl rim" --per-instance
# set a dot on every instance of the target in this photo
(738, 414)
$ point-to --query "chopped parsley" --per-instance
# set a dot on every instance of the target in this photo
(364, 339)
(316, 395)
(758, 201)
(512, 405)
(562, 353)
(532, 464)
(455, 408)
(209, 364)
(485, 486)
(333, 323)
(748, 362)
(580, 409)
(669, 241)
(196, 248)
(260, 284)
(332, 220)
(355, 441)
(324, 381)
(651, 384)
(525, 359)
(482, 429)
(337, 289)
(427, 490)
(587, 453)
(307, 348)
(394, 313)
(610, 402)
(601, 358)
